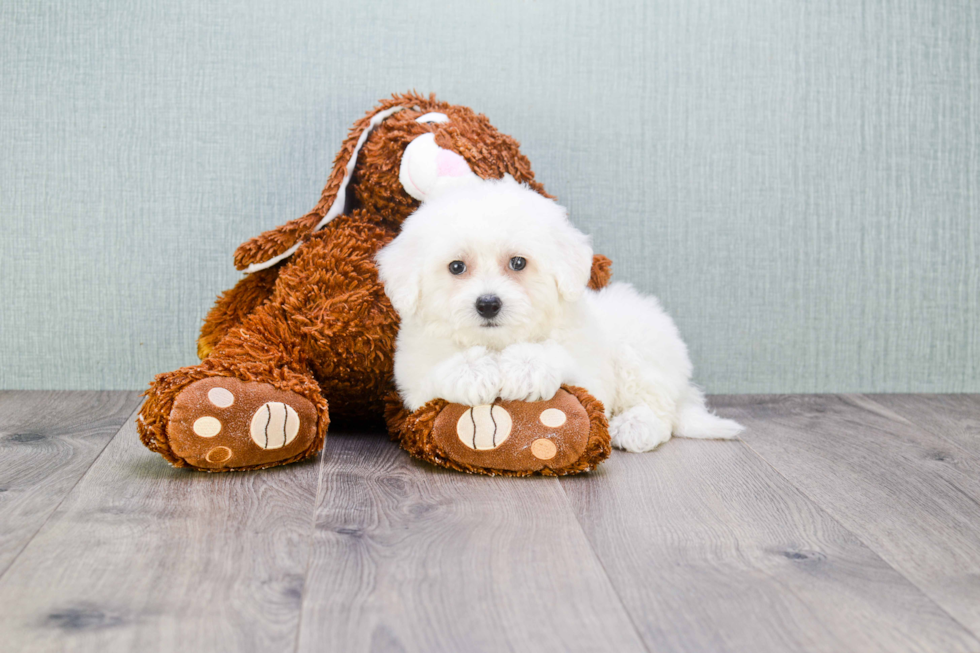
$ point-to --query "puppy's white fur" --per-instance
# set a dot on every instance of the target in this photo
(551, 329)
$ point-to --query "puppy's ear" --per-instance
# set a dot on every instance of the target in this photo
(400, 270)
(572, 260)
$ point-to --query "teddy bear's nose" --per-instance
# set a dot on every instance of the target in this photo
(488, 305)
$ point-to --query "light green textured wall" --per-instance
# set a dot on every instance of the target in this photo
(799, 182)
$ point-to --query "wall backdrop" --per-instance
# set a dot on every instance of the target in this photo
(798, 182)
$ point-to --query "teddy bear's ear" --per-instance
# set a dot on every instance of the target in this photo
(427, 169)
(277, 244)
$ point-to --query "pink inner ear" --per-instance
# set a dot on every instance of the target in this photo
(450, 164)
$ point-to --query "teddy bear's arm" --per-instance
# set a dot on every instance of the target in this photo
(233, 306)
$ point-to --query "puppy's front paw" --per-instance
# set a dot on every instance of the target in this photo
(529, 372)
(471, 378)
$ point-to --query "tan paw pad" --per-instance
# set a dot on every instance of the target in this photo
(543, 449)
(218, 455)
(207, 427)
(274, 425)
(484, 427)
(552, 417)
(221, 397)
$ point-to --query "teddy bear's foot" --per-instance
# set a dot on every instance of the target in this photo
(566, 434)
(223, 424)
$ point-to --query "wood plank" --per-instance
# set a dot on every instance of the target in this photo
(712, 550)
(409, 557)
(952, 417)
(144, 557)
(902, 490)
(48, 440)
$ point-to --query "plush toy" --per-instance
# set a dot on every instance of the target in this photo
(309, 326)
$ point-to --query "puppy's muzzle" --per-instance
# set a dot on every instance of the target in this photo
(488, 306)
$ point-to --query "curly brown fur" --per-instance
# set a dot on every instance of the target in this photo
(601, 272)
(233, 306)
(599, 446)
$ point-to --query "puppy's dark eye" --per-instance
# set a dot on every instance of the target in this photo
(457, 267)
(517, 263)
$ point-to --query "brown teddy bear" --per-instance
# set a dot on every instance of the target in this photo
(310, 326)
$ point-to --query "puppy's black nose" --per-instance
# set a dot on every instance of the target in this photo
(488, 305)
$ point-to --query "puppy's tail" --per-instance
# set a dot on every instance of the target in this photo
(694, 420)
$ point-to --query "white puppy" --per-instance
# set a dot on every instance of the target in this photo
(490, 281)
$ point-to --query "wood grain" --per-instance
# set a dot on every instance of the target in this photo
(955, 418)
(47, 441)
(906, 493)
(840, 524)
(712, 550)
(408, 557)
(144, 557)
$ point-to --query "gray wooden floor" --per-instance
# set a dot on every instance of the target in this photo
(838, 523)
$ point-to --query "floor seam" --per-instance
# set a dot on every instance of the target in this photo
(312, 539)
(598, 559)
(67, 494)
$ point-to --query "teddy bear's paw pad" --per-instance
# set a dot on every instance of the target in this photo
(484, 427)
(223, 423)
(519, 436)
(274, 425)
